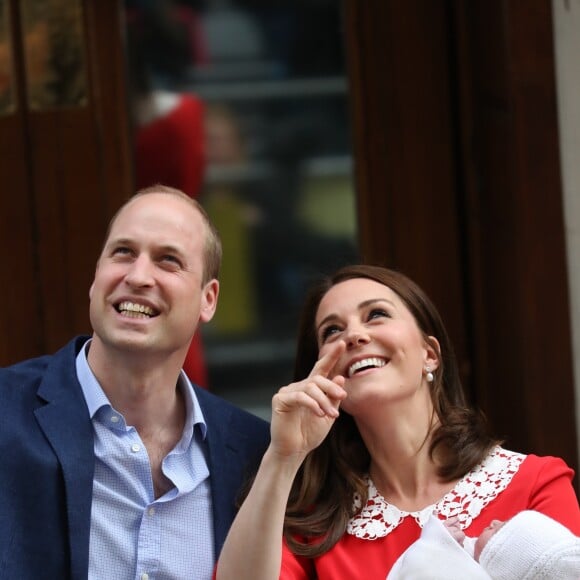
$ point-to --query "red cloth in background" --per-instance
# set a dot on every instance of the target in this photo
(170, 150)
(194, 364)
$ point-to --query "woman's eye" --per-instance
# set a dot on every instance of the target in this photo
(328, 332)
(378, 313)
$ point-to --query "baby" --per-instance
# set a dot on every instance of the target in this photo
(529, 546)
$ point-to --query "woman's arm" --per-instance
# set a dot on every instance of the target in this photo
(302, 415)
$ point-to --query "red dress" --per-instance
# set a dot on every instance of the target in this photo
(504, 484)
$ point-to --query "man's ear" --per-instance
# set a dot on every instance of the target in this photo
(209, 300)
(91, 289)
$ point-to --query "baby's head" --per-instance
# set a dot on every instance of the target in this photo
(528, 541)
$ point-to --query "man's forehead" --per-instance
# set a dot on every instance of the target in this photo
(162, 209)
(159, 201)
(163, 243)
(156, 227)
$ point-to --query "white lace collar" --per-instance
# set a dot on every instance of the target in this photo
(466, 500)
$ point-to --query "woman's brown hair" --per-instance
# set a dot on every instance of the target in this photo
(321, 500)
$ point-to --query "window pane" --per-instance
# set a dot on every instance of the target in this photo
(244, 106)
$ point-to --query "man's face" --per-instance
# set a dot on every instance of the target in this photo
(147, 295)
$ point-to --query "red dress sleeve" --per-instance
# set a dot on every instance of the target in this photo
(552, 492)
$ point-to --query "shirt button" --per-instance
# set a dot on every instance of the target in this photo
(144, 576)
(151, 511)
(135, 448)
(114, 418)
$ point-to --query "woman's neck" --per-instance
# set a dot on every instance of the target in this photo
(402, 467)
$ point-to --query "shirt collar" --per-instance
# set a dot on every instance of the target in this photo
(96, 397)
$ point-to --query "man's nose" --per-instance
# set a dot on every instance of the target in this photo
(140, 272)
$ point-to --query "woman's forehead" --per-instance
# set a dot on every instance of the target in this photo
(352, 293)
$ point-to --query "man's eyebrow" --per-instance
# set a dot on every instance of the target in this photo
(170, 249)
(117, 242)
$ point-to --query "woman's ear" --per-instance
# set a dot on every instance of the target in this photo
(432, 353)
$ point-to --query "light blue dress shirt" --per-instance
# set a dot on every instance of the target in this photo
(133, 535)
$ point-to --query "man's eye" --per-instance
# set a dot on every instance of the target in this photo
(121, 251)
(171, 260)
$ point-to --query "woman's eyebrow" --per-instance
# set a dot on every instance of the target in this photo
(364, 304)
(371, 301)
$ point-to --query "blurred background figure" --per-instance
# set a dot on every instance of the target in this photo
(243, 104)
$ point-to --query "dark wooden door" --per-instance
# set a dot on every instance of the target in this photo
(458, 184)
(64, 164)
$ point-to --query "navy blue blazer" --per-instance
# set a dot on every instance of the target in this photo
(47, 466)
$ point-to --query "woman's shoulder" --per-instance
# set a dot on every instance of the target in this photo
(481, 486)
(503, 463)
(546, 465)
(544, 483)
(503, 469)
(546, 472)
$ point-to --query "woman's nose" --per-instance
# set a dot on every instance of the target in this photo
(357, 336)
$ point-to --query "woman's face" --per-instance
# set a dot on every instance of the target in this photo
(386, 353)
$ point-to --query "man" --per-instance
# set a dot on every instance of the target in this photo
(112, 464)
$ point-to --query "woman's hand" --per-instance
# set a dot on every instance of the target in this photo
(302, 415)
(304, 412)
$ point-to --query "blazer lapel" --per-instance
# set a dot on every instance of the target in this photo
(226, 438)
(223, 468)
(65, 422)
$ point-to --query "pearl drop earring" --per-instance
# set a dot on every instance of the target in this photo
(429, 374)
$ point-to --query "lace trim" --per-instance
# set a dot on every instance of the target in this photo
(466, 500)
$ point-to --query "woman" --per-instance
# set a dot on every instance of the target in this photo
(375, 435)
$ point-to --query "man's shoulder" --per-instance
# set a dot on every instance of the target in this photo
(30, 370)
(232, 422)
(211, 401)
